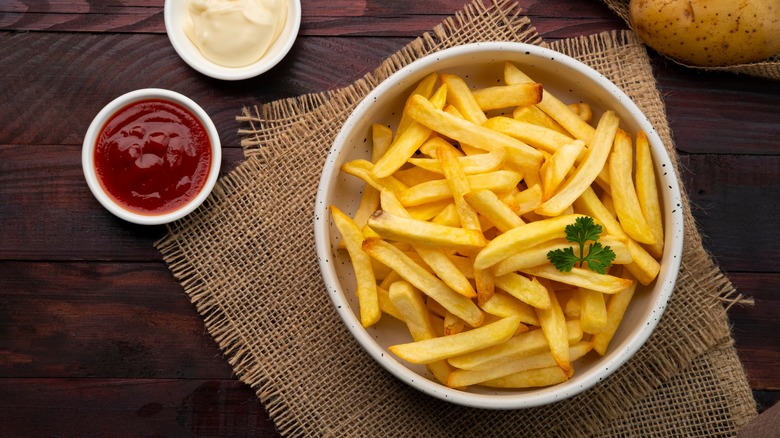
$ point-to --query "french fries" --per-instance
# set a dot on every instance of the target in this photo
(366, 281)
(647, 194)
(469, 208)
(444, 347)
(623, 193)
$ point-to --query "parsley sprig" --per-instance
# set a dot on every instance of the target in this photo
(582, 231)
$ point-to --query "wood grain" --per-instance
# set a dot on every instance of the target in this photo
(75, 71)
(735, 203)
(101, 320)
(333, 18)
(101, 407)
(751, 325)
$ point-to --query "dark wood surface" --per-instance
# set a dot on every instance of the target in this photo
(96, 336)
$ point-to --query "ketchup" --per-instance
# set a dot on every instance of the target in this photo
(153, 156)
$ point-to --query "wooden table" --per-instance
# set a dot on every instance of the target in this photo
(96, 336)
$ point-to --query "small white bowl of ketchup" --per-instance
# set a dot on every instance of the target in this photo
(151, 156)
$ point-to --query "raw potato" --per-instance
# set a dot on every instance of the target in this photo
(709, 33)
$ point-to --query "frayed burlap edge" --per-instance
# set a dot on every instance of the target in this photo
(273, 127)
(768, 68)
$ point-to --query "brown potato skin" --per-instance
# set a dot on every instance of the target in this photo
(709, 33)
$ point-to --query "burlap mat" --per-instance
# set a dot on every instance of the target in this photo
(247, 261)
(768, 68)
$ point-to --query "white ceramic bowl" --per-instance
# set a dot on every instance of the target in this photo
(88, 155)
(481, 64)
(175, 13)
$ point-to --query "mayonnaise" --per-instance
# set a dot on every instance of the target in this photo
(234, 33)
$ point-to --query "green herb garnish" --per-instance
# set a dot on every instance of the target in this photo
(582, 231)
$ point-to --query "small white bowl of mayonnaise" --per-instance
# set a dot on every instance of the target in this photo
(232, 39)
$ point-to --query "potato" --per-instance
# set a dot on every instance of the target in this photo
(709, 33)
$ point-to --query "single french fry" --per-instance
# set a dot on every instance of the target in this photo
(590, 167)
(485, 284)
(529, 379)
(647, 193)
(555, 169)
(624, 195)
(363, 169)
(532, 114)
(583, 110)
(519, 346)
(420, 278)
(416, 232)
(409, 303)
(464, 263)
(412, 175)
(569, 300)
(553, 106)
(448, 216)
(462, 378)
(537, 254)
(381, 139)
(369, 202)
(504, 305)
(446, 270)
(506, 96)
(524, 237)
(553, 324)
(603, 180)
(424, 88)
(593, 313)
(525, 201)
(437, 310)
(452, 324)
(540, 137)
(486, 203)
(439, 190)
(427, 211)
(527, 290)
(463, 99)
(409, 141)
(471, 164)
(459, 187)
(531, 178)
(364, 274)
(431, 146)
(606, 199)
(616, 309)
(643, 267)
(473, 134)
(444, 347)
(580, 277)
(387, 306)
(389, 279)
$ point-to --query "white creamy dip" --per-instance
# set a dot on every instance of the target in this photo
(234, 33)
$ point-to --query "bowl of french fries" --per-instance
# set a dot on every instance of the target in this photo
(498, 226)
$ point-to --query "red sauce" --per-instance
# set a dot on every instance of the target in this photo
(153, 156)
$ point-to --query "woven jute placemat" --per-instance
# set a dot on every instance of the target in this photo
(247, 261)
